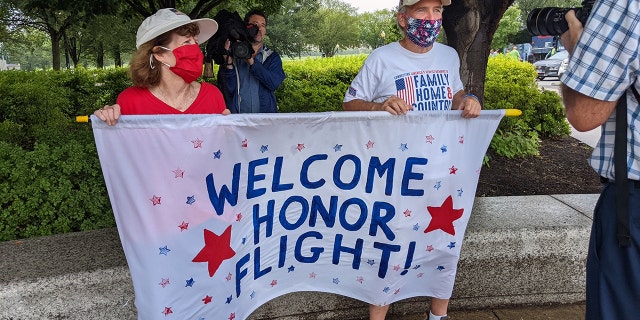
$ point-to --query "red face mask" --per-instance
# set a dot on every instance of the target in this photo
(189, 59)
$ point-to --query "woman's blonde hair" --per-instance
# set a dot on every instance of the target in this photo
(144, 70)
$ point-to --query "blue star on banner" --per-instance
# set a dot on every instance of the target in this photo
(451, 245)
(440, 268)
(443, 148)
(164, 250)
(264, 148)
(371, 262)
(191, 199)
(337, 147)
(190, 283)
(336, 280)
(217, 154)
(291, 269)
(404, 147)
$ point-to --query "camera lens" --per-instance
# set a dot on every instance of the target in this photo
(547, 21)
(241, 50)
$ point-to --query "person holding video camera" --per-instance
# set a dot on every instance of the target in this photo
(249, 83)
(601, 77)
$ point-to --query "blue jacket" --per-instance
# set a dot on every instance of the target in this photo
(266, 74)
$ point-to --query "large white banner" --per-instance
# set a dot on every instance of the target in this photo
(220, 214)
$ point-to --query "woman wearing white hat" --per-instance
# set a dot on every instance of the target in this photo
(164, 68)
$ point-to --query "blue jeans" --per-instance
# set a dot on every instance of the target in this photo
(613, 272)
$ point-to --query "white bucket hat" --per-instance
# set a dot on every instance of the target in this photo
(168, 19)
(412, 2)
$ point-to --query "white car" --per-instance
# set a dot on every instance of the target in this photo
(554, 66)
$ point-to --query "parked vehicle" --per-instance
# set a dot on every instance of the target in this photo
(554, 66)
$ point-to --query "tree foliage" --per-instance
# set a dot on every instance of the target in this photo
(338, 27)
(55, 17)
(509, 25)
(289, 29)
(378, 28)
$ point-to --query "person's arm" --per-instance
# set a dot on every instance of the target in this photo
(393, 105)
(583, 112)
(271, 74)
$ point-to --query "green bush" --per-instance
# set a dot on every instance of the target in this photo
(50, 176)
(511, 84)
(51, 190)
(317, 84)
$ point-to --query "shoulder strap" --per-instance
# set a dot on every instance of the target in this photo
(620, 167)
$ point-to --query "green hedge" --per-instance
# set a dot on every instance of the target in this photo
(50, 177)
(511, 84)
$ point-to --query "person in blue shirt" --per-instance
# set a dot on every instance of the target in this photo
(249, 85)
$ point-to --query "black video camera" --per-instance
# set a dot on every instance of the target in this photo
(551, 22)
(232, 28)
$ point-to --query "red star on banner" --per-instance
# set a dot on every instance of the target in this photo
(197, 143)
(155, 200)
(206, 299)
(443, 217)
(179, 173)
(167, 311)
(453, 170)
(183, 226)
(430, 139)
(300, 146)
(216, 249)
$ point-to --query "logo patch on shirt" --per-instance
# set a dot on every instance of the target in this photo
(352, 91)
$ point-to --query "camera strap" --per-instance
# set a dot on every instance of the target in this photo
(620, 167)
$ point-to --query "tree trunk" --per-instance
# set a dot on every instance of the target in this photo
(71, 47)
(469, 27)
(55, 49)
(117, 56)
(100, 55)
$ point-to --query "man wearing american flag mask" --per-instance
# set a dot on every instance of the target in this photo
(413, 74)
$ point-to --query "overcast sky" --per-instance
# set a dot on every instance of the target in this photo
(372, 5)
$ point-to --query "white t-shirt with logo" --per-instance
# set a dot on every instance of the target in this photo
(427, 81)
